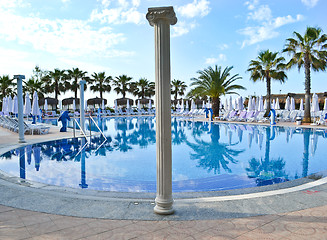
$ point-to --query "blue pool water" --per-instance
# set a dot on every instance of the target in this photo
(206, 157)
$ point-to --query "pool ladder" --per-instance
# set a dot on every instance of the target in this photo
(86, 137)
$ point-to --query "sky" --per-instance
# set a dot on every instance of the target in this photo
(114, 36)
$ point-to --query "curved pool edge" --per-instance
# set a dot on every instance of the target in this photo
(27, 195)
(19, 193)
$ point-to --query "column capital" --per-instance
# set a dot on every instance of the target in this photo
(19, 76)
(82, 82)
(157, 14)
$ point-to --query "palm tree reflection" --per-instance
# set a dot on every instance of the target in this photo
(267, 171)
(214, 155)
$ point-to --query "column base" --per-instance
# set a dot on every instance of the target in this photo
(21, 141)
(164, 207)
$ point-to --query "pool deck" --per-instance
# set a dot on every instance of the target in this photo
(29, 210)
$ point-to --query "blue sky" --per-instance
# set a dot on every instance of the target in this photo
(114, 36)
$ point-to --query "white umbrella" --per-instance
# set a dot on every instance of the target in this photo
(60, 105)
(226, 104)
(9, 102)
(325, 105)
(253, 104)
(250, 104)
(301, 105)
(257, 104)
(315, 104)
(127, 105)
(74, 105)
(209, 104)
(27, 105)
(103, 104)
(178, 106)
(187, 107)
(236, 104)
(138, 105)
(230, 104)
(46, 104)
(203, 104)
(116, 107)
(193, 105)
(240, 103)
(260, 107)
(277, 107)
(35, 105)
(265, 105)
(292, 107)
(15, 105)
(287, 104)
(273, 104)
(182, 105)
(150, 104)
(5, 106)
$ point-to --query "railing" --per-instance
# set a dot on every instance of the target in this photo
(91, 118)
(88, 141)
(74, 127)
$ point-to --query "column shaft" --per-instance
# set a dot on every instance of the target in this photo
(164, 200)
(20, 110)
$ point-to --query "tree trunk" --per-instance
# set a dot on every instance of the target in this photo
(268, 94)
(101, 94)
(215, 106)
(307, 83)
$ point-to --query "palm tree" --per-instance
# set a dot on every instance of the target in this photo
(143, 88)
(267, 66)
(6, 85)
(33, 85)
(178, 87)
(101, 83)
(75, 75)
(214, 83)
(122, 84)
(55, 81)
(309, 52)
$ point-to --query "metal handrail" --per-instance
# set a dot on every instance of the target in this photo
(98, 127)
(75, 122)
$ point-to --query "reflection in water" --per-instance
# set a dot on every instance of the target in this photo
(248, 154)
(267, 171)
(22, 163)
(213, 155)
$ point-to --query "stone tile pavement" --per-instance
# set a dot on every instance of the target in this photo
(305, 224)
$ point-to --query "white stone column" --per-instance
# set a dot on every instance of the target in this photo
(20, 107)
(161, 18)
(81, 104)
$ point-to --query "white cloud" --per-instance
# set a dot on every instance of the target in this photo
(182, 28)
(223, 46)
(310, 3)
(280, 21)
(267, 25)
(261, 14)
(15, 62)
(251, 4)
(121, 14)
(211, 61)
(60, 37)
(257, 34)
(196, 8)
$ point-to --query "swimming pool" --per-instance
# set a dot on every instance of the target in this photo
(206, 156)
